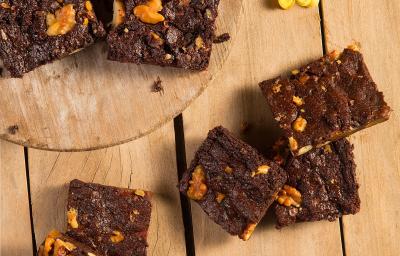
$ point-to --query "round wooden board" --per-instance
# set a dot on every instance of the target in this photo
(86, 102)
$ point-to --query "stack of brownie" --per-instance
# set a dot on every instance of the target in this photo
(311, 176)
(175, 33)
(102, 220)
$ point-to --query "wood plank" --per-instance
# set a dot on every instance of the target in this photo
(75, 104)
(147, 163)
(375, 25)
(269, 43)
(15, 224)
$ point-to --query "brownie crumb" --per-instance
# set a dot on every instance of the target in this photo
(13, 129)
(157, 86)
(222, 38)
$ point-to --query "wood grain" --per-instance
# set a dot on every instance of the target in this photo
(147, 163)
(86, 102)
(375, 25)
(15, 224)
(270, 44)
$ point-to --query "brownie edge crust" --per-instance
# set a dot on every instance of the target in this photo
(232, 182)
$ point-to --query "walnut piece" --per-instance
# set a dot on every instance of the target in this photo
(295, 71)
(116, 236)
(118, 13)
(228, 170)
(354, 46)
(276, 88)
(140, 192)
(62, 247)
(304, 149)
(298, 101)
(334, 55)
(148, 12)
(199, 43)
(197, 188)
(299, 125)
(62, 21)
(248, 231)
(72, 215)
(49, 242)
(293, 144)
(327, 149)
(156, 40)
(289, 196)
(5, 5)
(219, 197)
(263, 169)
(89, 8)
(132, 216)
(303, 79)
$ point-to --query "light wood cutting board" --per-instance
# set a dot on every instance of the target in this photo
(86, 102)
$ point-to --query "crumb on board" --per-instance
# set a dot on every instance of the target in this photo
(13, 129)
(157, 86)
(222, 38)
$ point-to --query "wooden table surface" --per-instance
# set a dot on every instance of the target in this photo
(269, 42)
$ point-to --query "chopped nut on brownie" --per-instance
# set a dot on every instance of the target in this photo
(232, 182)
(321, 185)
(58, 244)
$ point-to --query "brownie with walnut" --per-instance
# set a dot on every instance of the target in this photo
(176, 33)
(232, 182)
(33, 33)
(59, 244)
(321, 185)
(113, 221)
(326, 100)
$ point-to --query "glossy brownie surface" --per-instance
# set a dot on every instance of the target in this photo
(238, 184)
(325, 100)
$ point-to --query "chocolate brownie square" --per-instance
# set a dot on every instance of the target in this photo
(177, 33)
(321, 185)
(326, 100)
(58, 244)
(114, 221)
(232, 182)
(35, 32)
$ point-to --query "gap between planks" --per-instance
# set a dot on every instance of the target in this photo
(181, 166)
(325, 51)
(28, 185)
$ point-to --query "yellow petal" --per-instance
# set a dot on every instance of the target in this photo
(303, 3)
(286, 4)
